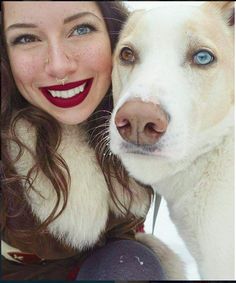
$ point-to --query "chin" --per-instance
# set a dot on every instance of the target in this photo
(72, 117)
(149, 169)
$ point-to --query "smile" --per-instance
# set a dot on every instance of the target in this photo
(68, 95)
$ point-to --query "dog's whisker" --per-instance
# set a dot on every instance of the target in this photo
(102, 133)
(104, 126)
(99, 118)
(105, 118)
(107, 155)
(114, 19)
(103, 141)
(101, 111)
(98, 127)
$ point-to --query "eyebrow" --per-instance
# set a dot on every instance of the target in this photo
(80, 15)
(20, 25)
(66, 21)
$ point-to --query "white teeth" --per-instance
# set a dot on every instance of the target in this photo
(67, 93)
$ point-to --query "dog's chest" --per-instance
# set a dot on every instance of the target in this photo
(202, 196)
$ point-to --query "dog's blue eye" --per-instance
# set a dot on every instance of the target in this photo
(203, 58)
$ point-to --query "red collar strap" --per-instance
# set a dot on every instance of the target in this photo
(140, 228)
(17, 255)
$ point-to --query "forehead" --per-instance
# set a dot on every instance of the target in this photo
(168, 18)
(45, 11)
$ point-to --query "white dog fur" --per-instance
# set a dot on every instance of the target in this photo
(193, 167)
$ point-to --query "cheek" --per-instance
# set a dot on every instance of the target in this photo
(96, 56)
(213, 100)
(24, 68)
(99, 60)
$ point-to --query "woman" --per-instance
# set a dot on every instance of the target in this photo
(60, 208)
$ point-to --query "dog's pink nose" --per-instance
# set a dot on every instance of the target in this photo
(141, 123)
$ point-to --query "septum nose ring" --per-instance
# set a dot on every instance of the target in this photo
(62, 81)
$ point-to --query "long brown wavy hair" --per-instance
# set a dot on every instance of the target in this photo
(48, 137)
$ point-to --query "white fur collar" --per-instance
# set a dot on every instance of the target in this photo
(85, 216)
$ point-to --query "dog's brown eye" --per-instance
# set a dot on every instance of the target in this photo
(127, 55)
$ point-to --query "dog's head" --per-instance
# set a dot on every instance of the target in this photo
(173, 87)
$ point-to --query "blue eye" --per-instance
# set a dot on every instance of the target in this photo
(203, 57)
(83, 29)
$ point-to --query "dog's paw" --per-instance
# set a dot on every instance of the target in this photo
(172, 265)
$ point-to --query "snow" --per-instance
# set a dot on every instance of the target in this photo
(136, 5)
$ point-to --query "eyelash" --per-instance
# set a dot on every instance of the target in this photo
(34, 38)
(18, 39)
(85, 25)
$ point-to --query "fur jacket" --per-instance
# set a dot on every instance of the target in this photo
(89, 219)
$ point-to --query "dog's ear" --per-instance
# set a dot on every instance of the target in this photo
(226, 9)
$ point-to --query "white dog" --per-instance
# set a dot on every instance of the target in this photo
(172, 126)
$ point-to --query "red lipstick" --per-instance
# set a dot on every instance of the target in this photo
(67, 102)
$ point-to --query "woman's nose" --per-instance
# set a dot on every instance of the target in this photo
(60, 62)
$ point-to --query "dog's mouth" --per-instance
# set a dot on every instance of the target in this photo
(157, 151)
(140, 149)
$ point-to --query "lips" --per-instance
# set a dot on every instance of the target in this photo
(68, 95)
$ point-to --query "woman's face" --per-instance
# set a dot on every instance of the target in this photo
(60, 56)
